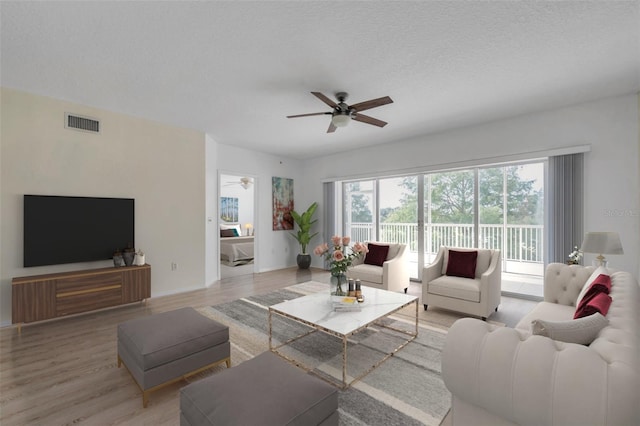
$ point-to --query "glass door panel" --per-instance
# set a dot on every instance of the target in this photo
(491, 208)
(398, 200)
(450, 210)
(359, 207)
(524, 219)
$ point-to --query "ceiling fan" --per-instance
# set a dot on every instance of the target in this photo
(342, 113)
(244, 182)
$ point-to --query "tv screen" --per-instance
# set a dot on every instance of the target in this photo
(75, 229)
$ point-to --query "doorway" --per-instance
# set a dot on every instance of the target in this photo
(236, 223)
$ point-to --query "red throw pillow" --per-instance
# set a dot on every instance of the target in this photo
(377, 254)
(599, 303)
(462, 264)
(602, 284)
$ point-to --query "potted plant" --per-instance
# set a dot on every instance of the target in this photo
(304, 236)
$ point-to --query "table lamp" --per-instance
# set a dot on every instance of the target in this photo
(602, 243)
(249, 228)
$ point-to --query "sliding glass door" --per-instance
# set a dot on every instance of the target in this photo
(498, 207)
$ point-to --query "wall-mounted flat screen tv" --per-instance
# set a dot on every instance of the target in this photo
(61, 230)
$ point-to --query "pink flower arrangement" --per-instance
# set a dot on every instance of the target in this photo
(340, 256)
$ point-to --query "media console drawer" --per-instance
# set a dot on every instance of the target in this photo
(41, 297)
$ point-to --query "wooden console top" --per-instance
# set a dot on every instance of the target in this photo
(75, 274)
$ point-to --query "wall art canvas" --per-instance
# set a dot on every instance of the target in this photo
(229, 209)
(282, 192)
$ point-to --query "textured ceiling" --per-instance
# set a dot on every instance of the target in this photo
(235, 69)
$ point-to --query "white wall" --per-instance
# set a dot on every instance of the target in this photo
(211, 202)
(172, 173)
(275, 249)
(609, 126)
(162, 167)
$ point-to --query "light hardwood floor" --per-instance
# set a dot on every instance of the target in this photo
(64, 371)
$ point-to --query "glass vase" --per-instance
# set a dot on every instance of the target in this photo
(338, 285)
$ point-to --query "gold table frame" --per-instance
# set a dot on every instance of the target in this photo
(315, 327)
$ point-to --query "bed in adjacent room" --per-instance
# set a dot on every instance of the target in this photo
(236, 250)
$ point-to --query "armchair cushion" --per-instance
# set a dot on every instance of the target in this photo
(377, 254)
(456, 287)
(462, 264)
(370, 273)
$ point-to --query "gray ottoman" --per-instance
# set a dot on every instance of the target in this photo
(265, 390)
(163, 348)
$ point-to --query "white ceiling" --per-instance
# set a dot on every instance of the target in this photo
(235, 69)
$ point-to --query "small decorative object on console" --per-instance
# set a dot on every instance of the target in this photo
(117, 258)
(139, 260)
(128, 255)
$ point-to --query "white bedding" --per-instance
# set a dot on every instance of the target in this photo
(236, 250)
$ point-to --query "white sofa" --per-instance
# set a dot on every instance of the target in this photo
(393, 275)
(506, 376)
(475, 296)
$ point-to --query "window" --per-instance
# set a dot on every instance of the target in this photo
(498, 207)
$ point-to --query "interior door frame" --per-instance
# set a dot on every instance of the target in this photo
(256, 234)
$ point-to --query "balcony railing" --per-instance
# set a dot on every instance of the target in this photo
(521, 243)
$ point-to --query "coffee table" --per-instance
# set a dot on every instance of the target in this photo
(316, 311)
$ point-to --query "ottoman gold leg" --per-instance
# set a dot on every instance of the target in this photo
(119, 362)
(145, 398)
(228, 362)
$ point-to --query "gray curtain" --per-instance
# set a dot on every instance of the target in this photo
(329, 213)
(565, 227)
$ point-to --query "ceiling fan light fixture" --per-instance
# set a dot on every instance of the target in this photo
(245, 182)
(341, 120)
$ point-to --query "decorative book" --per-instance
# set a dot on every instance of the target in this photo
(346, 304)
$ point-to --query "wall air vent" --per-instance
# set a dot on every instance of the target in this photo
(85, 124)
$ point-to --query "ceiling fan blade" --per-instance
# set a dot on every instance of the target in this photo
(369, 120)
(331, 128)
(362, 106)
(308, 115)
(324, 99)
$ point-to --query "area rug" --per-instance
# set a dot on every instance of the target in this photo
(407, 389)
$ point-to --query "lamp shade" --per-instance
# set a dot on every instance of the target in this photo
(340, 120)
(602, 243)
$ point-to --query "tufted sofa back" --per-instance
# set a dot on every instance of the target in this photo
(562, 283)
(617, 344)
(529, 379)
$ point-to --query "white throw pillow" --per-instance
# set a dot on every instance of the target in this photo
(582, 331)
(599, 270)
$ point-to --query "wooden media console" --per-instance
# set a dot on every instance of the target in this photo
(42, 297)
